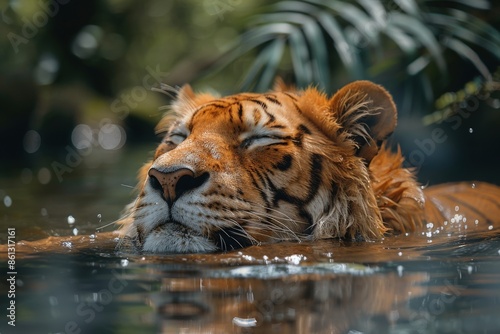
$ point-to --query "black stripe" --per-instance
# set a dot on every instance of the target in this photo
(316, 169)
(297, 140)
(305, 129)
(260, 103)
(314, 183)
(240, 112)
(260, 188)
(216, 104)
(309, 221)
(273, 100)
(297, 108)
(293, 97)
(285, 163)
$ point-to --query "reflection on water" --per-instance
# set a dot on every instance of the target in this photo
(404, 284)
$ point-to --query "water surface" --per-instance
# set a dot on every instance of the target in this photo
(418, 283)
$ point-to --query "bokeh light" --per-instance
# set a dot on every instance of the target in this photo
(111, 137)
(32, 141)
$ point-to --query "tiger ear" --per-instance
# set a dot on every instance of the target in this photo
(187, 99)
(367, 115)
(281, 86)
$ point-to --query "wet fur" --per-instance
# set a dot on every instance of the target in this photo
(314, 168)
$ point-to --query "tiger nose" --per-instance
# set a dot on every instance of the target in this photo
(173, 184)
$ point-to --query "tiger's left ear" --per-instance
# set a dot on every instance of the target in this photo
(362, 113)
(187, 99)
(367, 115)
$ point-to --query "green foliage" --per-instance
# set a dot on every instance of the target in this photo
(404, 43)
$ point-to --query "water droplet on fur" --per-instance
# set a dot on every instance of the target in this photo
(457, 208)
(471, 130)
(490, 227)
(400, 253)
(75, 231)
(473, 185)
(71, 219)
(124, 262)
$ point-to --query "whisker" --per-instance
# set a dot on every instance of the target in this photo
(104, 226)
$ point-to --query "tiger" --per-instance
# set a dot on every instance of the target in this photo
(289, 164)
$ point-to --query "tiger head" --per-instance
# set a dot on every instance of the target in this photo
(250, 168)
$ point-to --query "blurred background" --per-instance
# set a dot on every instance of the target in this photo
(76, 76)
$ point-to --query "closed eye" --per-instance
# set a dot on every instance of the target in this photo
(175, 138)
(262, 140)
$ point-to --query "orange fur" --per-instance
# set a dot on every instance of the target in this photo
(251, 168)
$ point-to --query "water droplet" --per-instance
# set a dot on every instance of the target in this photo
(75, 231)
(473, 185)
(124, 262)
(242, 322)
(490, 227)
(400, 270)
(92, 236)
(400, 253)
(457, 208)
(430, 225)
(476, 221)
(295, 259)
(7, 201)
(469, 269)
(471, 130)
(71, 219)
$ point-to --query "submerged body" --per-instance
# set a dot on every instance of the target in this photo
(286, 165)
